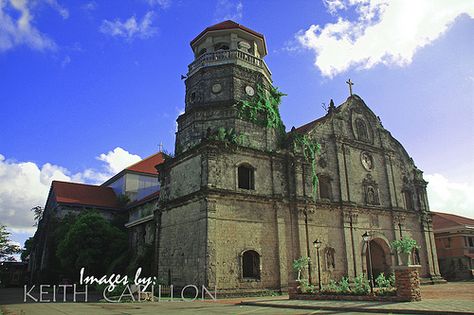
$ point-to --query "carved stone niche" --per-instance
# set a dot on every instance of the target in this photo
(371, 191)
(361, 127)
(329, 258)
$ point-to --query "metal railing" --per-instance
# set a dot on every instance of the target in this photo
(227, 56)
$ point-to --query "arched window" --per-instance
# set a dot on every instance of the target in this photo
(251, 265)
(362, 132)
(324, 187)
(246, 176)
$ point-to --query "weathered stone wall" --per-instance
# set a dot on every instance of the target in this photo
(211, 94)
(236, 225)
(184, 178)
(183, 244)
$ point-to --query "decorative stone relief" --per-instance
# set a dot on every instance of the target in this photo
(374, 220)
(216, 88)
(249, 90)
(371, 191)
(367, 161)
(348, 216)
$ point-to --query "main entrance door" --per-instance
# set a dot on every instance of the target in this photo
(381, 260)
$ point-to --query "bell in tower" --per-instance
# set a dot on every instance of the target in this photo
(228, 68)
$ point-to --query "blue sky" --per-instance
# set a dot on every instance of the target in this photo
(88, 87)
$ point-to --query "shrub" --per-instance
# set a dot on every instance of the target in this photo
(361, 285)
(305, 287)
(332, 287)
(392, 279)
(343, 286)
(382, 282)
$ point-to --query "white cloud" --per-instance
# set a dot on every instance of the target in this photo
(385, 32)
(65, 62)
(229, 10)
(334, 5)
(59, 8)
(446, 196)
(89, 6)
(130, 28)
(17, 27)
(24, 185)
(162, 3)
(118, 159)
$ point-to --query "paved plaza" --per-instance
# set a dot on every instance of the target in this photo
(451, 298)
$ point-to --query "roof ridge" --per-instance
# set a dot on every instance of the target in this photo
(75, 183)
(141, 161)
(451, 214)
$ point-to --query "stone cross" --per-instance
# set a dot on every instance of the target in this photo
(350, 83)
(160, 147)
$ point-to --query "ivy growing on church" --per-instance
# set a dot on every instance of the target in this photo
(228, 136)
(310, 149)
(263, 108)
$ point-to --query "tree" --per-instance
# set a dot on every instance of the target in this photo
(25, 253)
(91, 242)
(38, 212)
(7, 249)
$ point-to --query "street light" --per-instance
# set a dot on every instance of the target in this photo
(317, 244)
(366, 237)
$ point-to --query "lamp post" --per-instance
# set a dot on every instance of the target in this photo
(317, 244)
(366, 237)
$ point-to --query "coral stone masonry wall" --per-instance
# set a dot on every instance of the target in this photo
(407, 281)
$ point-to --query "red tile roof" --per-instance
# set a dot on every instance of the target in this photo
(83, 194)
(447, 220)
(147, 165)
(227, 25)
(307, 127)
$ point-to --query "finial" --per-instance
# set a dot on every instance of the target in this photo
(160, 147)
(331, 106)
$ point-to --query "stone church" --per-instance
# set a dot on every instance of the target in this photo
(242, 198)
(236, 214)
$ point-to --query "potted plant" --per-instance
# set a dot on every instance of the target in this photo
(404, 247)
(298, 266)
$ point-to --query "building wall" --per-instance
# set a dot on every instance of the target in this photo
(456, 256)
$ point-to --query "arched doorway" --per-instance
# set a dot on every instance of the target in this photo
(381, 260)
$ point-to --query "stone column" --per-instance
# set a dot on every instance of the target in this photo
(407, 282)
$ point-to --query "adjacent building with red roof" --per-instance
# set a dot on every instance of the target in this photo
(454, 238)
(132, 193)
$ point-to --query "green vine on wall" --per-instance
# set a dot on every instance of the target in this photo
(263, 108)
(228, 136)
(310, 149)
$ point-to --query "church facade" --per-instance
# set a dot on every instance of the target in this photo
(242, 199)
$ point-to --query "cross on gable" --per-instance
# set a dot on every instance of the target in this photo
(350, 83)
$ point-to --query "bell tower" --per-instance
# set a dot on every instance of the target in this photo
(228, 67)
